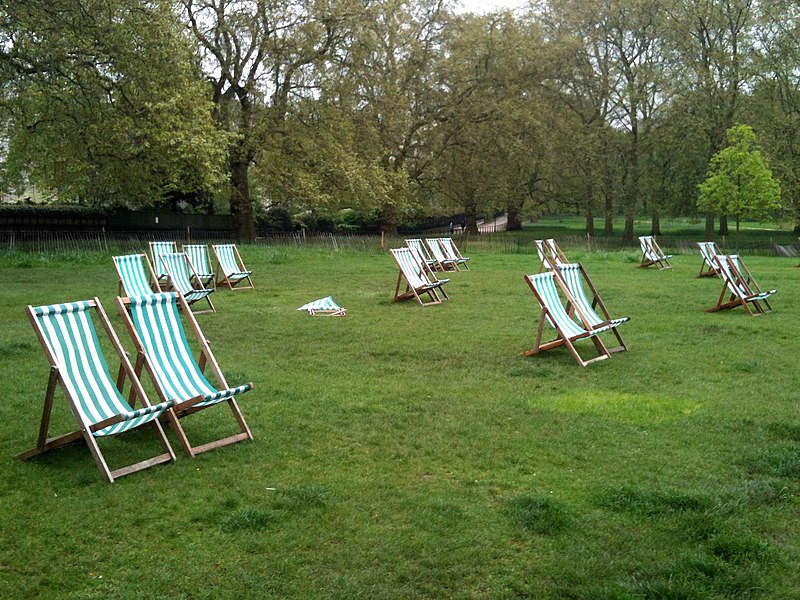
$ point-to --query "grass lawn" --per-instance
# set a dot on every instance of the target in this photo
(405, 452)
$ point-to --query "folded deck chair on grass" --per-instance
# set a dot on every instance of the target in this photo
(437, 252)
(578, 282)
(201, 263)
(155, 326)
(740, 287)
(183, 278)
(156, 250)
(418, 277)
(708, 268)
(77, 364)
(421, 251)
(231, 271)
(652, 253)
(136, 275)
(550, 254)
(549, 290)
(452, 252)
(324, 306)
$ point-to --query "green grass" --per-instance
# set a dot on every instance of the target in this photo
(407, 452)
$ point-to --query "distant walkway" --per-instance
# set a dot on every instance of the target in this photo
(498, 224)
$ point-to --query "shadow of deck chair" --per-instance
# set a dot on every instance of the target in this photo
(77, 364)
(421, 252)
(549, 290)
(184, 279)
(201, 263)
(577, 282)
(550, 254)
(156, 250)
(419, 279)
(231, 271)
(708, 268)
(437, 252)
(136, 275)
(652, 253)
(452, 252)
(740, 287)
(155, 326)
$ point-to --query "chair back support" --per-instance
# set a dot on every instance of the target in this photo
(156, 250)
(709, 251)
(437, 252)
(573, 278)
(449, 248)
(544, 285)
(178, 268)
(70, 338)
(199, 259)
(730, 270)
(415, 275)
(647, 244)
(227, 259)
(133, 274)
(418, 248)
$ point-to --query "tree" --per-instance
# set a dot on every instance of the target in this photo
(101, 101)
(739, 181)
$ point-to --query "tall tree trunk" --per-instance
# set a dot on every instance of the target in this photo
(512, 210)
(471, 215)
(632, 189)
(709, 227)
(241, 206)
(589, 225)
(655, 224)
(389, 219)
(723, 224)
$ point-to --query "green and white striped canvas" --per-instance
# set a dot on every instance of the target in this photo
(571, 274)
(160, 330)
(133, 274)
(200, 260)
(70, 335)
(178, 269)
(227, 261)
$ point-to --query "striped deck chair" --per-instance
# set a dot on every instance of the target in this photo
(417, 277)
(77, 364)
(452, 252)
(155, 327)
(156, 250)
(442, 262)
(708, 268)
(550, 255)
(652, 254)
(324, 306)
(136, 275)
(577, 282)
(417, 247)
(740, 286)
(201, 263)
(548, 290)
(184, 279)
(230, 267)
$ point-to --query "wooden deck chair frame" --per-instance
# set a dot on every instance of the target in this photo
(652, 254)
(708, 268)
(420, 279)
(575, 277)
(156, 249)
(452, 252)
(137, 279)
(200, 258)
(186, 406)
(437, 252)
(550, 254)
(417, 246)
(85, 386)
(740, 287)
(231, 278)
(184, 280)
(547, 287)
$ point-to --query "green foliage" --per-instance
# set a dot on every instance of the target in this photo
(739, 181)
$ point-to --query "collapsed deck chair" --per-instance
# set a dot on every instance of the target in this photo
(201, 263)
(156, 250)
(184, 279)
(442, 262)
(708, 268)
(740, 287)
(548, 290)
(77, 364)
(652, 254)
(550, 254)
(577, 281)
(418, 279)
(155, 327)
(231, 271)
(136, 275)
(324, 306)
(452, 252)
(421, 251)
